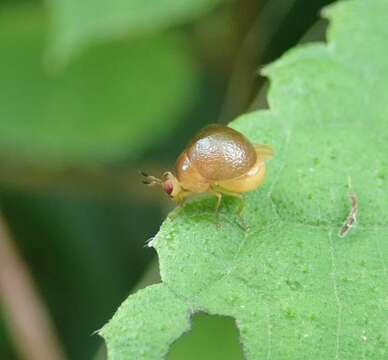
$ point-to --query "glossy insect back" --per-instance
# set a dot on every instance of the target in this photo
(220, 153)
(220, 161)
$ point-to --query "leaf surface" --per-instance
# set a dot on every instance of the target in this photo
(296, 289)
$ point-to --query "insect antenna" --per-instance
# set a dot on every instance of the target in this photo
(150, 180)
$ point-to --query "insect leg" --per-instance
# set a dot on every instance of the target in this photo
(241, 205)
(219, 198)
(233, 194)
(180, 201)
(218, 195)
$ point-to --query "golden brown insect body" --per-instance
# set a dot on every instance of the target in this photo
(218, 160)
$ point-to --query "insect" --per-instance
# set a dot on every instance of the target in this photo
(352, 217)
(219, 161)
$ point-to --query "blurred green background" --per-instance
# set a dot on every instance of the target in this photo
(91, 92)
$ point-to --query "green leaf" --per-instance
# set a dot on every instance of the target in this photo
(112, 103)
(79, 23)
(164, 326)
(296, 289)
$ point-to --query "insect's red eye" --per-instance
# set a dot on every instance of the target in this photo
(168, 187)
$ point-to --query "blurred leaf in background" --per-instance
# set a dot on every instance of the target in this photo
(210, 338)
(80, 23)
(84, 253)
(109, 104)
(5, 348)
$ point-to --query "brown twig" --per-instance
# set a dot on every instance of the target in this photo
(28, 321)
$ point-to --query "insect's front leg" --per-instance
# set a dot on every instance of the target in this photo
(236, 195)
(180, 201)
(218, 195)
